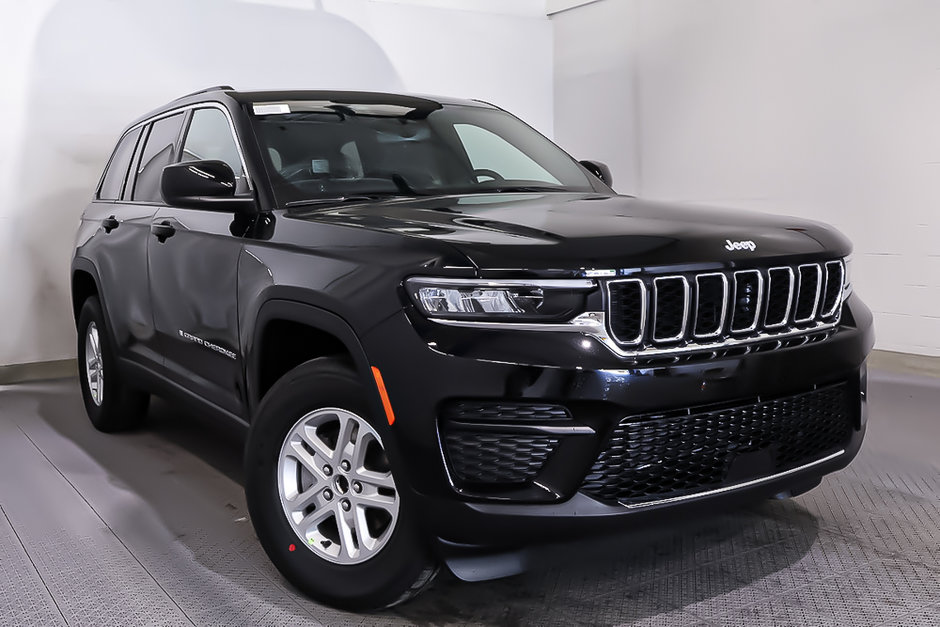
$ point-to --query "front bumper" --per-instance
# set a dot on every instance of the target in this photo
(421, 380)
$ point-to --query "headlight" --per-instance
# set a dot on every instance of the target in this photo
(509, 300)
(847, 284)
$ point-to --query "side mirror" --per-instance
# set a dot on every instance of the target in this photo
(203, 185)
(600, 170)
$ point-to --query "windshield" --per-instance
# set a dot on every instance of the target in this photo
(317, 150)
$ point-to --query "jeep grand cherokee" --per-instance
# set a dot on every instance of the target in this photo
(447, 336)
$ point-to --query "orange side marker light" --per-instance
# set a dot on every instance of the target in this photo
(385, 402)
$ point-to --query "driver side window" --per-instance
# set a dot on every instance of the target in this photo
(489, 151)
(210, 137)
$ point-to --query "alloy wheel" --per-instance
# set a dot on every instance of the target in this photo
(94, 368)
(336, 486)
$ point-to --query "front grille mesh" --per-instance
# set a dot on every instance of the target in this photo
(497, 458)
(685, 310)
(483, 444)
(656, 457)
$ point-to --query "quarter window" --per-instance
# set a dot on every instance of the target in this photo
(159, 152)
(116, 173)
(210, 138)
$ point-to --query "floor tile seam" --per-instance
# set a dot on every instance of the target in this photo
(107, 526)
(881, 551)
(276, 584)
(285, 592)
(769, 595)
(716, 561)
(894, 621)
(33, 564)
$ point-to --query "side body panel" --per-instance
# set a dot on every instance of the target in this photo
(193, 279)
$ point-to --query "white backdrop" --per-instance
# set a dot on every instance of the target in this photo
(829, 110)
(75, 72)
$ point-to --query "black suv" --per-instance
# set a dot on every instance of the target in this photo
(450, 339)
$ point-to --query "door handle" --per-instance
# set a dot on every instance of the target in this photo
(110, 223)
(163, 230)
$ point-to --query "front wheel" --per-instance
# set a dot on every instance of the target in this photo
(322, 495)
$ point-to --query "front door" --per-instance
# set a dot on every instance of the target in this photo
(193, 277)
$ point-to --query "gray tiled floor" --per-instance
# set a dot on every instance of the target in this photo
(150, 528)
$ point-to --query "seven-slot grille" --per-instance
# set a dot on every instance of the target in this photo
(711, 307)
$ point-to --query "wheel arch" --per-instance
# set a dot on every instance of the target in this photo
(84, 283)
(287, 333)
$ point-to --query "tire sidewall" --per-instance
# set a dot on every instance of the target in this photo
(372, 584)
(91, 312)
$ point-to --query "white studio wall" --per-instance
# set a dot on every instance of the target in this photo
(74, 73)
(827, 110)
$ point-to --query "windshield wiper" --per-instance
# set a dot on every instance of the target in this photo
(336, 200)
(500, 189)
(405, 187)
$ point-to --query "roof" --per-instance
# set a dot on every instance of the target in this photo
(223, 92)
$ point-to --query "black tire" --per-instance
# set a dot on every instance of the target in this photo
(121, 406)
(400, 570)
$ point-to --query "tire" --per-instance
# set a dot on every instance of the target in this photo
(303, 416)
(111, 404)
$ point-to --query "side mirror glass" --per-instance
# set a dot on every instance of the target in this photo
(600, 170)
(202, 185)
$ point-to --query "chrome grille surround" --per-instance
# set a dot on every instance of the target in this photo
(815, 277)
(758, 302)
(643, 307)
(808, 267)
(698, 304)
(658, 304)
(771, 283)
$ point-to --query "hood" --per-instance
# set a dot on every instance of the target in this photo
(570, 231)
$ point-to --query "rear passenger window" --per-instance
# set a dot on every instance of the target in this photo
(210, 138)
(116, 173)
(159, 152)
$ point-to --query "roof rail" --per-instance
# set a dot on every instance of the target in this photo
(207, 90)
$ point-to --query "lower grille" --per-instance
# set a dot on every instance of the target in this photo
(663, 456)
(491, 444)
(496, 458)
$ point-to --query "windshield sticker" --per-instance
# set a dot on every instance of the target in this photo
(270, 109)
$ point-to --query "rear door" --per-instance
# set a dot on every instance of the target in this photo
(193, 275)
(119, 251)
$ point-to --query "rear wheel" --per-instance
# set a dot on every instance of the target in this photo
(322, 495)
(111, 404)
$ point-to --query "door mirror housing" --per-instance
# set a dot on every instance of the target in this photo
(203, 185)
(600, 170)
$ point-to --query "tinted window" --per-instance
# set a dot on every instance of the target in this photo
(159, 151)
(114, 176)
(492, 156)
(210, 137)
(322, 149)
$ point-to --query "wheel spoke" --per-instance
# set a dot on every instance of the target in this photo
(307, 498)
(377, 501)
(348, 531)
(314, 519)
(309, 435)
(367, 542)
(376, 479)
(344, 443)
(312, 462)
(96, 349)
(360, 450)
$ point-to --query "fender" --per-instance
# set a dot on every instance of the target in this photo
(87, 265)
(313, 316)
